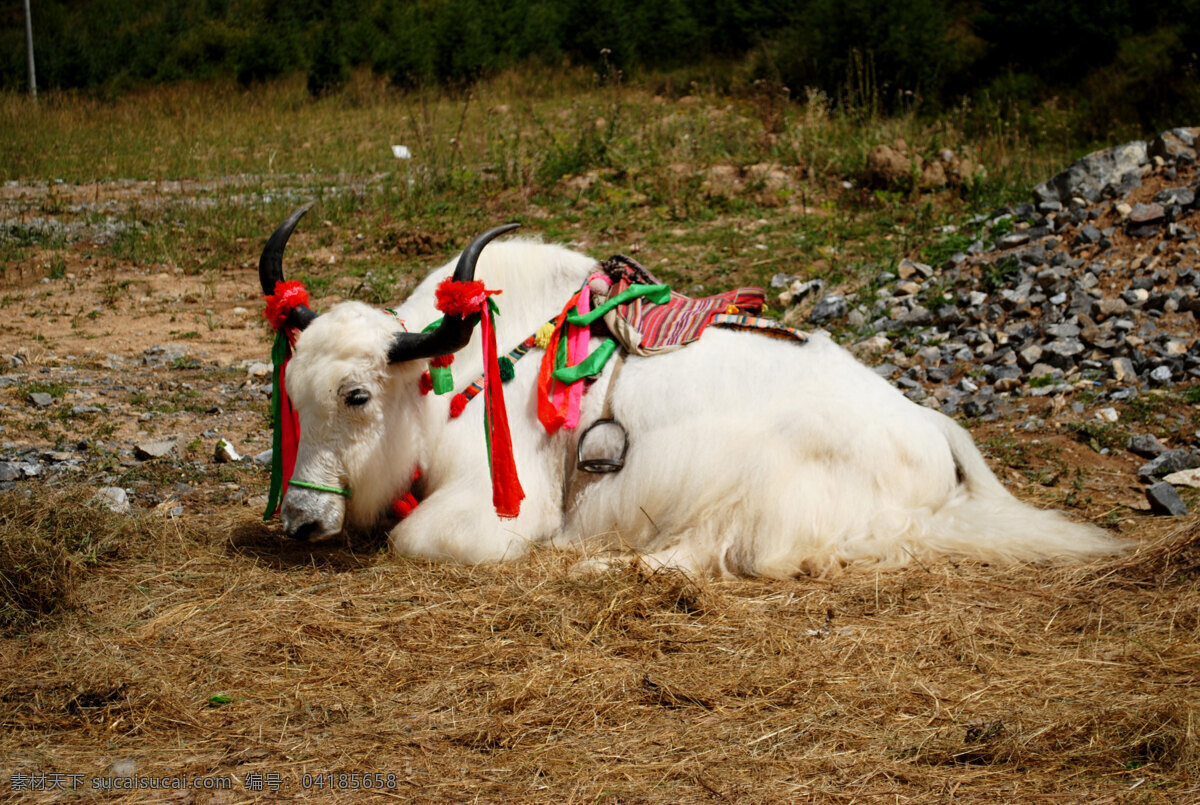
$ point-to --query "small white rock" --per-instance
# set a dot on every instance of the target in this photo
(1109, 415)
(225, 452)
(1184, 478)
(113, 498)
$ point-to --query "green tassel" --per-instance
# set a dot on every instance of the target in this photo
(507, 370)
(443, 379)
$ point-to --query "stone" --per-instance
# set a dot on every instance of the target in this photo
(39, 399)
(832, 306)
(1168, 462)
(1145, 445)
(113, 498)
(1183, 196)
(159, 448)
(9, 471)
(910, 268)
(1188, 478)
(1108, 415)
(224, 452)
(263, 459)
(1103, 308)
(1089, 234)
(1029, 356)
(1012, 239)
(1146, 213)
(887, 166)
(1173, 145)
(1088, 177)
(1160, 376)
(1163, 499)
(875, 345)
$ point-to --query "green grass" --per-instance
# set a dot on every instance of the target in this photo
(609, 165)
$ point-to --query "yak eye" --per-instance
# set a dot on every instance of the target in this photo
(358, 397)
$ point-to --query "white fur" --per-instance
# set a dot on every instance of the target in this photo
(748, 455)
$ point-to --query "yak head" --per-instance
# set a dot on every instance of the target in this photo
(353, 380)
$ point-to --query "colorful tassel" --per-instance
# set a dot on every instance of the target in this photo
(425, 384)
(507, 370)
(457, 403)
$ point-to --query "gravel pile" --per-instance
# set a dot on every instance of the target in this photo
(1093, 284)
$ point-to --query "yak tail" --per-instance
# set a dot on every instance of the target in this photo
(984, 521)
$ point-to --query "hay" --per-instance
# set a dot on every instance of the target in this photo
(231, 652)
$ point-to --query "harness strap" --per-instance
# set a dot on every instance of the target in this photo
(320, 488)
(573, 480)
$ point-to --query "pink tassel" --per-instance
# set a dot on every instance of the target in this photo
(577, 350)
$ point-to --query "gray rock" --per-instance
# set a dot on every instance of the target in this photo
(263, 459)
(1146, 213)
(1145, 445)
(909, 268)
(1164, 499)
(1169, 462)
(157, 449)
(1029, 356)
(1012, 239)
(9, 471)
(1161, 376)
(113, 498)
(832, 306)
(1089, 176)
(40, 399)
(1183, 196)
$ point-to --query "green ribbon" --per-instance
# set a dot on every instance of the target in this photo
(594, 363)
(337, 490)
(658, 294)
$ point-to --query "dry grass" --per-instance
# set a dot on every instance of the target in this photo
(211, 647)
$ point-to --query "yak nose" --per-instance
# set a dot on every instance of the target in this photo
(303, 531)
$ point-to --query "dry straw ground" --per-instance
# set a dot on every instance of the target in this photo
(209, 647)
(206, 645)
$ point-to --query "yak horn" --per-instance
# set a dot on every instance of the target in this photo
(270, 266)
(455, 331)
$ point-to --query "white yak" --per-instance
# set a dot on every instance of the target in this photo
(747, 455)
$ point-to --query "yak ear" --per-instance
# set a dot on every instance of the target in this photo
(270, 266)
(454, 331)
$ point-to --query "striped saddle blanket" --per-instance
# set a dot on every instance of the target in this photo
(645, 328)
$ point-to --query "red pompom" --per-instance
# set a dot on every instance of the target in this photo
(462, 298)
(457, 404)
(403, 506)
(288, 296)
(441, 361)
(425, 383)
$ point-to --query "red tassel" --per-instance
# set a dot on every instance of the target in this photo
(404, 506)
(457, 403)
(442, 360)
(288, 295)
(507, 493)
(461, 299)
(425, 383)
